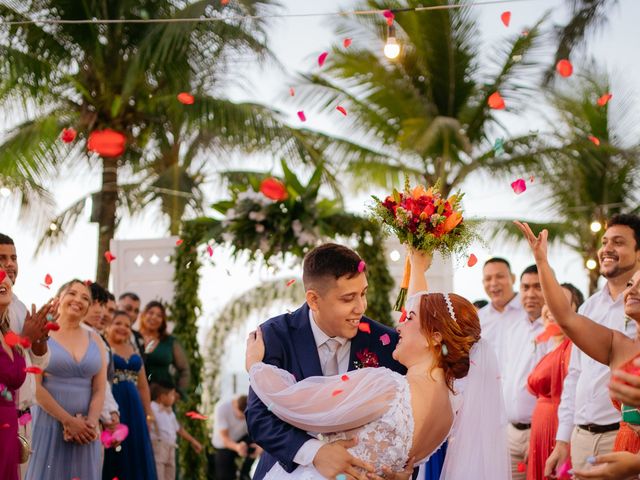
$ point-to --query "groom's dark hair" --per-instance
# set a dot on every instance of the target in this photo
(329, 261)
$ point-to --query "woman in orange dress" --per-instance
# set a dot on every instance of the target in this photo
(545, 382)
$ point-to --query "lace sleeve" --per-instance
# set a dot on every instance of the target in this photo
(182, 366)
(325, 404)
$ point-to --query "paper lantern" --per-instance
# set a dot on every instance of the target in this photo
(107, 143)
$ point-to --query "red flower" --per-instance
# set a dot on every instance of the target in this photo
(390, 204)
(274, 189)
(367, 359)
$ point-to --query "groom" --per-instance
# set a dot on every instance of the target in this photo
(328, 335)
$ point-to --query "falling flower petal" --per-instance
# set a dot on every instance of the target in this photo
(110, 257)
(3, 275)
(385, 339)
(564, 68)
(25, 342)
(292, 91)
(68, 135)
(403, 316)
(302, 116)
(322, 57)
(361, 266)
(342, 110)
(389, 15)
(179, 242)
(48, 280)
(604, 99)
(595, 140)
(472, 260)
(346, 42)
(24, 419)
(344, 378)
(364, 327)
(11, 339)
(274, 189)
(291, 282)
(522, 467)
(496, 101)
(186, 98)
(33, 369)
(107, 143)
(52, 327)
(210, 250)
(506, 18)
(336, 392)
(519, 186)
(196, 416)
(224, 2)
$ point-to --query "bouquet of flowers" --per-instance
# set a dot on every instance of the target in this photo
(426, 221)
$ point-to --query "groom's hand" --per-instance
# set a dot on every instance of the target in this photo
(333, 459)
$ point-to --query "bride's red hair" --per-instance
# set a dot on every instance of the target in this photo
(458, 335)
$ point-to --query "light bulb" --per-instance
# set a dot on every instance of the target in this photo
(591, 264)
(394, 255)
(596, 226)
(392, 47)
(53, 227)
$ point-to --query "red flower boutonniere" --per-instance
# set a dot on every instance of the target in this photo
(366, 359)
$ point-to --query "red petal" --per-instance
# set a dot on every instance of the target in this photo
(522, 467)
(25, 342)
(33, 369)
(291, 282)
(322, 57)
(342, 110)
(68, 135)
(346, 42)
(344, 378)
(52, 326)
(336, 392)
(506, 18)
(519, 186)
(179, 242)
(210, 250)
(595, 140)
(564, 68)
(11, 338)
(224, 2)
(48, 280)
(472, 260)
(403, 317)
(604, 99)
(364, 327)
(3, 275)
(302, 116)
(195, 415)
(496, 101)
(107, 143)
(186, 98)
(385, 339)
(110, 257)
(274, 189)
(361, 266)
(292, 92)
(389, 15)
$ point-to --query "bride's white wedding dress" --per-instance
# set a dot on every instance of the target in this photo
(374, 405)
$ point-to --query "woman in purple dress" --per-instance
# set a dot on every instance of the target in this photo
(12, 376)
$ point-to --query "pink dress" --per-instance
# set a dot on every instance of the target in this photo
(12, 376)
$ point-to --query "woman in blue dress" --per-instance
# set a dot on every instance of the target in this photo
(70, 394)
(133, 460)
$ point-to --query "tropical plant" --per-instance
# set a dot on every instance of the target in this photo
(590, 170)
(425, 113)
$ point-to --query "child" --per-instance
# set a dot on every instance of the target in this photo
(164, 436)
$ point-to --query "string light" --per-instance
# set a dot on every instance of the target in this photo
(392, 47)
(591, 264)
(596, 226)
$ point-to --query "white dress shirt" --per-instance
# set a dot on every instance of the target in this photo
(492, 321)
(27, 392)
(224, 418)
(585, 393)
(167, 424)
(307, 452)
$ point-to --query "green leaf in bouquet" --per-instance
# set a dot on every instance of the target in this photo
(396, 196)
(223, 206)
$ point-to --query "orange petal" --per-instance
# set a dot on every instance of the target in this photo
(274, 189)
(186, 98)
(564, 68)
(506, 18)
(110, 257)
(364, 327)
(604, 99)
(595, 140)
(496, 101)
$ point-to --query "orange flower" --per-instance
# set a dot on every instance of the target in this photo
(418, 192)
(452, 221)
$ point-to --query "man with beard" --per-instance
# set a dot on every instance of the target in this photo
(586, 415)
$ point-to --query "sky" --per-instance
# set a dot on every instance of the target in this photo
(297, 42)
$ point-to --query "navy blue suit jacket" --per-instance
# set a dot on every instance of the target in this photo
(290, 345)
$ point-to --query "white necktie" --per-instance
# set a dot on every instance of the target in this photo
(331, 362)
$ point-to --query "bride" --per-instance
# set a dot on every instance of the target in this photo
(451, 391)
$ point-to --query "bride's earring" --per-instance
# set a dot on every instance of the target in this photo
(445, 350)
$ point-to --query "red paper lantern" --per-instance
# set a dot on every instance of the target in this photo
(496, 101)
(107, 143)
(564, 68)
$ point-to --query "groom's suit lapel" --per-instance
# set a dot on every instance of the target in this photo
(304, 343)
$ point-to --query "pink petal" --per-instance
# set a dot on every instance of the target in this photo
(342, 110)
(361, 266)
(346, 42)
(322, 58)
(292, 92)
(210, 250)
(385, 339)
(302, 116)
(519, 186)
(291, 282)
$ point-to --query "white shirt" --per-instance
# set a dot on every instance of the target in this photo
(27, 392)
(585, 392)
(493, 321)
(167, 424)
(225, 419)
(307, 452)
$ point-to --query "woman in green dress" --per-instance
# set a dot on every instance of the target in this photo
(164, 358)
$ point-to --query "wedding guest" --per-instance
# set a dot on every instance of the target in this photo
(518, 354)
(231, 440)
(110, 309)
(599, 332)
(130, 302)
(164, 438)
(164, 358)
(545, 382)
(30, 326)
(131, 390)
(70, 393)
(12, 375)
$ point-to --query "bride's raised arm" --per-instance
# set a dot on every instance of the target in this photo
(420, 263)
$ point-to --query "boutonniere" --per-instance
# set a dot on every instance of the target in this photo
(366, 359)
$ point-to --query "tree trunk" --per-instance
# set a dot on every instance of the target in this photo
(107, 216)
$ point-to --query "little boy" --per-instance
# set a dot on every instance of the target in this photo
(164, 437)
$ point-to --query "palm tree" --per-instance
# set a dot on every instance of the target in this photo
(587, 183)
(425, 113)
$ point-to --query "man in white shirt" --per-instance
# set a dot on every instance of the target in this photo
(586, 415)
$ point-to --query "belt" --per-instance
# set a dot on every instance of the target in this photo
(22, 412)
(593, 428)
(521, 426)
